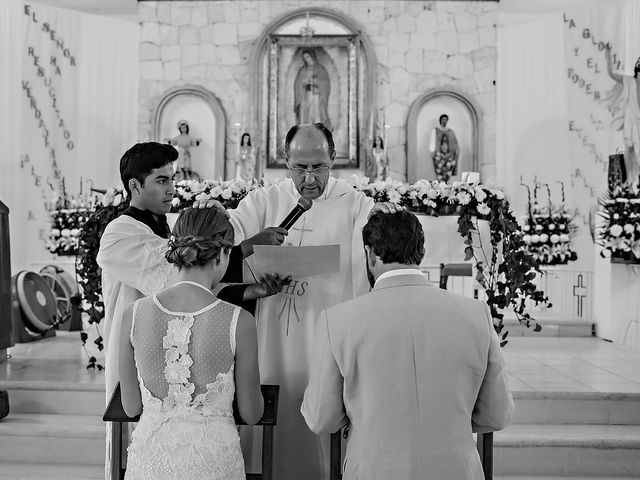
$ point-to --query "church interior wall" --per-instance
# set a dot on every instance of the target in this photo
(419, 46)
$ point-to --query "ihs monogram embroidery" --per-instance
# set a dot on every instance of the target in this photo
(291, 293)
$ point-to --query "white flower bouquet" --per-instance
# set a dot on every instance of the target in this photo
(227, 192)
(619, 234)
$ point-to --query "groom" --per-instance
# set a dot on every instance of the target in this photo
(413, 369)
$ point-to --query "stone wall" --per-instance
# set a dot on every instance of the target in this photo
(419, 46)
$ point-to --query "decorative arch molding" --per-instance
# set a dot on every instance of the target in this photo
(413, 134)
(259, 66)
(216, 109)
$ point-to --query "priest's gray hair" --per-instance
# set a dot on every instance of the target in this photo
(320, 126)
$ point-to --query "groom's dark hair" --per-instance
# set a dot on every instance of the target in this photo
(395, 237)
(141, 159)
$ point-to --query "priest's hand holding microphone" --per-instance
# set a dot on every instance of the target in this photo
(271, 283)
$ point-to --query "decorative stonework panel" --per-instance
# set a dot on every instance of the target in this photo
(414, 47)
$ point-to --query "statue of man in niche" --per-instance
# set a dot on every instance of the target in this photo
(444, 149)
(184, 142)
(311, 91)
(624, 103)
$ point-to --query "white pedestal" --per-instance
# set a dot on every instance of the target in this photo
(443, 244)
(617, 302)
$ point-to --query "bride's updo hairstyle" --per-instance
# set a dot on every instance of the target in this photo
(199, 236)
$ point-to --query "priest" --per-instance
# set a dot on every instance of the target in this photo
(286, 320)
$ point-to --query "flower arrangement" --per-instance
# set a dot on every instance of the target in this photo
(227, 192)
(549, 230)
(508, 276)
(619, 234)
(68, 215)
(431, 197)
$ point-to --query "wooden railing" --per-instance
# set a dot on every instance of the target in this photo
(115, 413)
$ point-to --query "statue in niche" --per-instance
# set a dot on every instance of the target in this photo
(380, 156)
(184, 142)
(444, 149)
(245, 159)
(624, 104)
(311, 91)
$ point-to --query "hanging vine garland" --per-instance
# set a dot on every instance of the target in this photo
(89, 274)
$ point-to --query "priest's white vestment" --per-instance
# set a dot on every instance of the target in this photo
(133, 266)
(286, 321)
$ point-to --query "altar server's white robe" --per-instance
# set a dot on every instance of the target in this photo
(133, 266)
(286, 320)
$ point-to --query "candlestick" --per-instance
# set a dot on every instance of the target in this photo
(528, 197)
(562, 190)
(386, 127)
(549, 197)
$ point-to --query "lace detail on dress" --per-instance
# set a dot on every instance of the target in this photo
(178, 362)
(155, 272)
(178, 437)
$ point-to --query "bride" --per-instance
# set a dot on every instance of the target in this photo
(184, 355)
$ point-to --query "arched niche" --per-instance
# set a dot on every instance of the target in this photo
(423, 117)
(353, 74)
(207, 122)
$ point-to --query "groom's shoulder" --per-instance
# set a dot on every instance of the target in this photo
(345, 309)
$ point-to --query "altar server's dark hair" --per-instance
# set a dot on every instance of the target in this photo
(395, 237)
(200, 234)
(141, 159)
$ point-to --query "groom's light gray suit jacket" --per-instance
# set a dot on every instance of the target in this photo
(414, 369)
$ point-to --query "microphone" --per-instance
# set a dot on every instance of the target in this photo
(302, 206)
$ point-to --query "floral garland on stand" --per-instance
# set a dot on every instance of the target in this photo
(508, 277)
(549, 230)
(619, 233)
(68, 215)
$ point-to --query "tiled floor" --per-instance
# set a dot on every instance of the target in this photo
(535, 364)
(56, 359)
(571, 365)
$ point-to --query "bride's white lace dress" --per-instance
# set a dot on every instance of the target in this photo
(185, 365)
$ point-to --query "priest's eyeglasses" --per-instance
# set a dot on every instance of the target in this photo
(308, 171)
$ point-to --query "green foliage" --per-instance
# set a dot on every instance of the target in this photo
(508, 278)
(88, 272)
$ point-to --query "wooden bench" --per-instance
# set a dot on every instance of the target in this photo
(115, 413)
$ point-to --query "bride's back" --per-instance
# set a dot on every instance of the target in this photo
(174, 347)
